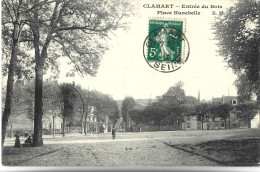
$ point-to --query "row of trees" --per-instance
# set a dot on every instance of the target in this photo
(174, 106)
(51, 29)
(71, 101)
(238, 37)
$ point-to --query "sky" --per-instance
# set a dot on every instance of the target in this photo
(124, 72)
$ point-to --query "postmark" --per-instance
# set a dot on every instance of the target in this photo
(166, 47)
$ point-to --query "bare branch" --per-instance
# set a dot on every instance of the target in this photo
(26, 40)
(85, 28)
(8, 10)
(37, 5)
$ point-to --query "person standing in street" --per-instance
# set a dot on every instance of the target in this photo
(114, 132)
(17, 143)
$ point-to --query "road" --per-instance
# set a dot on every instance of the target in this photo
(147, 149)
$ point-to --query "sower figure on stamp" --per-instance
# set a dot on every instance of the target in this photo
(17, 143)
(162, 39)
(114, 132)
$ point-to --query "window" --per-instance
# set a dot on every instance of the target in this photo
(234, 102)
(188, 125)
(222, 124)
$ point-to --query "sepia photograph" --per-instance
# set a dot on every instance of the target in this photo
(157, 85)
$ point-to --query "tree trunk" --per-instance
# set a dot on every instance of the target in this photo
(39, 64)
(248, 122)
(178, 124)
(53, 125)
(37, 141)
(225, 123)
(82, 126)
(202, 125)
(85, 125)
(63, 126)
(10, 80)
(258, 57)
(229, 123)
(127, 122)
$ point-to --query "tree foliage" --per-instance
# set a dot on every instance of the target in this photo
(67, 98)
(169, 109)
(75, 29)
(127, 105)
(246, 111)
(137, 115)
(238, 35)
(202, 112)
(222, 111)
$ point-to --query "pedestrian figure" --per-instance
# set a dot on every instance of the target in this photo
(114, 132)
(17, 143)
(28, 140)
(26, 133)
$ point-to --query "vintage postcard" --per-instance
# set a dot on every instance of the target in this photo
(130, 84)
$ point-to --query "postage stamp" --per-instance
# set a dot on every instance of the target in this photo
(166, 47)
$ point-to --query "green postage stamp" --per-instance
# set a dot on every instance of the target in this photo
(166, 47)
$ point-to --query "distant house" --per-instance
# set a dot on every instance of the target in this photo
(191, 122)
(52, 120)
(232, 121)
(255, 122)
(92, 124)
(225, 99)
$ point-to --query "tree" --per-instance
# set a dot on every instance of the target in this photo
(238, 35)
(191, 100)
(222, 111)
(15, 62)
(202, 111)
(79, 29)
(173, 100)
(127, 104)
(246, 111)
(104, 106)
(68, 97)
(156, 113)
(12, 15)
(137, 115)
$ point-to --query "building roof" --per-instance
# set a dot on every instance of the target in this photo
(223, 99)
(217, 100)
(228, 99)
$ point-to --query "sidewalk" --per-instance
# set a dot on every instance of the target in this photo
(10, 141)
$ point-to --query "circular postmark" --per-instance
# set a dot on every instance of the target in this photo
(166, 48)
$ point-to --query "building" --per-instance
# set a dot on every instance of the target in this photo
(216, 123)
(191, 123)
(255, 122)
(225, 99)
(52, 121)
(92, 124)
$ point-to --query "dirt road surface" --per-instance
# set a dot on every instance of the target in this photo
(145, 149)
